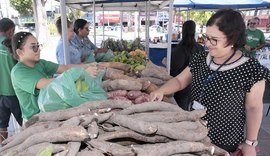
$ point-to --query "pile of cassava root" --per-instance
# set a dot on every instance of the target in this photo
(113, 127)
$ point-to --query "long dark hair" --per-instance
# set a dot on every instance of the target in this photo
(16, 42)
(188, 36)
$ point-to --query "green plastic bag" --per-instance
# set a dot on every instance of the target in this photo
(90, 57)
(104, 57)
(61, 93)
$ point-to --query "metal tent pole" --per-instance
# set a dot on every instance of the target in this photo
(94, 13)
(64, 31)
(169, 45)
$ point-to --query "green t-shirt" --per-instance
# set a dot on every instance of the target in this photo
(254, 39)
(7, 62)
(24, 81)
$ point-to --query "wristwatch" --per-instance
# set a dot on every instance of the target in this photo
(253, 143)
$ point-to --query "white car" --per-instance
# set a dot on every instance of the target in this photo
(155, 28)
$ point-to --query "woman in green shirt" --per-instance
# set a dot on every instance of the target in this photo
(32, 73)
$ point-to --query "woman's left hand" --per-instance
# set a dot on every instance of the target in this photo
(92, 69)
(247, 150)
(101, 50)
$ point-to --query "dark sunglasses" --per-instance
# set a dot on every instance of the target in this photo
(251, 23)
(36, 47)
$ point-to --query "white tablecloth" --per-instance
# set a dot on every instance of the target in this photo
(263, 56)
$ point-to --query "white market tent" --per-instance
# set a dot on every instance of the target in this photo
(216, 4)
(116, 5)
(150, 5)
(110, 5)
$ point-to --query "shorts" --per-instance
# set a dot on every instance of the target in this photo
(8, 105)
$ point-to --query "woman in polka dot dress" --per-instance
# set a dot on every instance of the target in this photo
(227, 83)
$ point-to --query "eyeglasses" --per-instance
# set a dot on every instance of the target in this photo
(213, 41)
(252, 23)
(36, 47)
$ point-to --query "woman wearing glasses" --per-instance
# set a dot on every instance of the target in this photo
(31, 73)
(82, 42)
(225, 82)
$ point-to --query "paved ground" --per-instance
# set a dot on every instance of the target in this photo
(264, 134)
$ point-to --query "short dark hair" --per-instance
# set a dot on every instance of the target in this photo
(232, 24)
(6, 24)
(58, 25)
(79, 24)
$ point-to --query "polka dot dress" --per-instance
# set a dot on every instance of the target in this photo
(224, 95)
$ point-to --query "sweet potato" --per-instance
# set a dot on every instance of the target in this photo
(142, 98)
(122, 98)
(133, 94)
(117, 93)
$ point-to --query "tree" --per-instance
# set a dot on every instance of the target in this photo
(40, 17)
(200, 17)
(24, 7)
(37, 9)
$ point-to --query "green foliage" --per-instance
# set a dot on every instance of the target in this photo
(136, 61)
(52, 28)
(74, 14)
(200, 17)
(24, 7)
(122, 45)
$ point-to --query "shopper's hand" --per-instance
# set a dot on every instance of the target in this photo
(100, 50)
(92, 69)
(156, 96)
(247, 150)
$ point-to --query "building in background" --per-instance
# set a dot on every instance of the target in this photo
(6, 10)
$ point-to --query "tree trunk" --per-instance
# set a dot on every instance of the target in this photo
(40, 17)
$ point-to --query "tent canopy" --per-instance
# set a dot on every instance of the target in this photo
(116, 5)
(217, 4)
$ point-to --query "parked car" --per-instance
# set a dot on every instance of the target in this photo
(156, 28)
(108, 28)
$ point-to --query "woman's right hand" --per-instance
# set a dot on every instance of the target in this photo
(156, 95)
(92, 70)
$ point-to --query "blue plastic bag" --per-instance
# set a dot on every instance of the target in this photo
(61, 93)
